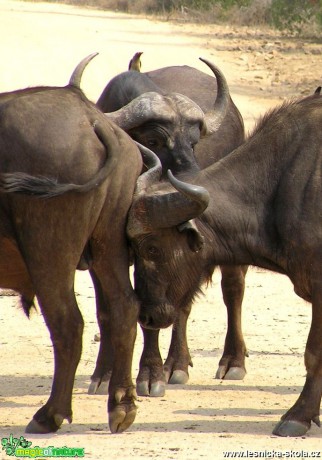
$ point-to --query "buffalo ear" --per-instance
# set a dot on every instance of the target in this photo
(131, 255)
(195, 239)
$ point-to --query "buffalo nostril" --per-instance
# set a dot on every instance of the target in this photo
(144, 320)
(157, 317)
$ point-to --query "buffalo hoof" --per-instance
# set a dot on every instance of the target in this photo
(157, 389)
(98, 387)
(102, 388)
(233, 373)
(179, 377)
(291, 428)
(35, 427)
(120, 420)
(121, 409)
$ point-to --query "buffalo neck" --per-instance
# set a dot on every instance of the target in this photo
(250, 188)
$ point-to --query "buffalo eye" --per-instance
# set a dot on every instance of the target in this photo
(152, 143)
(152, 253)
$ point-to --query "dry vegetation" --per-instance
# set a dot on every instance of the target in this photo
(41, 44)
(298, 17)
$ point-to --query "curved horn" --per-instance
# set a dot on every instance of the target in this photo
(140, 110)
(154, 170)
(214, 119)
(155, 209)
(199, 195)
(76, 77)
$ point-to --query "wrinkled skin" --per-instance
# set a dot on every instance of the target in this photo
(182, 146)
(259, 206)
(86, 168)
(173, 121)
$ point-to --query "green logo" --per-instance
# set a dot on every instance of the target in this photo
(20, 447)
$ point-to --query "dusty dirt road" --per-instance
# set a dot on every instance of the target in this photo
(41, 44)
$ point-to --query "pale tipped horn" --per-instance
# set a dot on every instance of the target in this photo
(214, 119)
(164, 208)
(154, 170)
(194, 193)
(76, 77)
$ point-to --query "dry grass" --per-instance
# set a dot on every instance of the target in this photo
(258, 12)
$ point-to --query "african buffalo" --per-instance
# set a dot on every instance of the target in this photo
(66, 184)
(260, 205)
(171, 110)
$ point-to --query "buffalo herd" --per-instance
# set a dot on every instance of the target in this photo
(157, 173)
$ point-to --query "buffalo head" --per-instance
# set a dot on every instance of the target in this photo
(171, 124)
(167, 244)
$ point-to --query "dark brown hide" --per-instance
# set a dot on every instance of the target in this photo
(166, 109)
(56, 144)
(265, 210)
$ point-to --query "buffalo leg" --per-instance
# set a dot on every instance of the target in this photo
(51, 258)
(120, 306)
(123, 317)
(153, 376)
(232, 362)
(179, 359)
(65, 325)
(151, 380)
(297, 420)
(104, 364)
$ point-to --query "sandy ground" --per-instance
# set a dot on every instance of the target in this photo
(41, 44)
